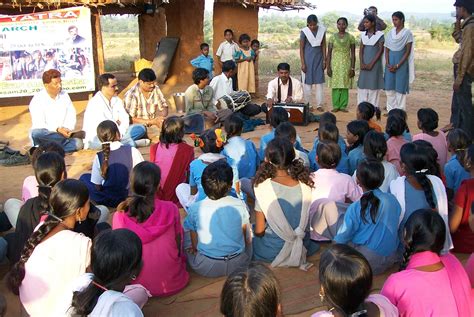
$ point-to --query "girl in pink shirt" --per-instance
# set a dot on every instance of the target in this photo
(346, 282)
(172, 154)
(429, 284)
(328, 182)
(158, 225)
(395, 128)
(427, 123)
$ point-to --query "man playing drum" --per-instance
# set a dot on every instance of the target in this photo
(222, 86)
(284, 88)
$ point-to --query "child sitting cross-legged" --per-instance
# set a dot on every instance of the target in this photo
(371, 224)
(218, 226)
(356, 131)
(287, 131)
(458, 142)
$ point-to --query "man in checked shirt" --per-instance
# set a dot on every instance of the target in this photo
(145, 102)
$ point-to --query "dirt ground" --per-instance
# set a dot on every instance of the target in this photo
(201, 296)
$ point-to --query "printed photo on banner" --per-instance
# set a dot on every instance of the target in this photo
(31, 44)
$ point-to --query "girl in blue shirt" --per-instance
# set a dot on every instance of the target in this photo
(458, 142)
(371, 224)
(241, 154)
(356, 131)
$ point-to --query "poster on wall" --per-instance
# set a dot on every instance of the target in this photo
(32, 43)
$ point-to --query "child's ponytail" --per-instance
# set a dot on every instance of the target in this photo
(370, 175)
(417, 164)
(266, 170)
(300, 173)
(365, 200)
(107, 132)
(49, 170)
(104, 165)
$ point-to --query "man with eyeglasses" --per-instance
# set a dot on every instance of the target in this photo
(145, 102)
(106, 105)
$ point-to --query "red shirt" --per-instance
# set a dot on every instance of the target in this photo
(463, 238)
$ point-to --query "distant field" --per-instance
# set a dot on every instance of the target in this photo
(432, 57)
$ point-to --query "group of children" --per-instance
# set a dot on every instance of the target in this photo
(382, 196)
(370, 194)
(245, 54)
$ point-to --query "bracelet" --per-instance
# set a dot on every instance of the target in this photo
(397, 66)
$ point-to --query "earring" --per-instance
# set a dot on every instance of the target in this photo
(134, 277)
(321, 295)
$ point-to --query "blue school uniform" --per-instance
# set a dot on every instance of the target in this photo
(242, 156)
(342, 167)
(196, 168)
(455, 173)
(355, 156)
(114, 189)
(218, 224)
(265, 139)
(206, 62)
(381, 237)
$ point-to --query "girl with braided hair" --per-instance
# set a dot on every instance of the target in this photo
(282, 188)
(109, 178)
(429, 283)
(106, 291)
(54, 256)
(370, 224)
(420, 188)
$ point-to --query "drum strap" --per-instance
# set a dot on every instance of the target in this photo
(290, 89)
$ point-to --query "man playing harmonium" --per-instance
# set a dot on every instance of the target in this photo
(284, 88)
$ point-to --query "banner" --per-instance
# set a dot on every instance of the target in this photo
(32, 43)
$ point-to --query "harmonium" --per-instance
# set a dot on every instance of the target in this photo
(298, 113)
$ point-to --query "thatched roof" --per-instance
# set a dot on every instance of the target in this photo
(274, 4)
(39, 5)
(137, 5)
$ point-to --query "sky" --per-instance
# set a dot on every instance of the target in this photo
(357, 6)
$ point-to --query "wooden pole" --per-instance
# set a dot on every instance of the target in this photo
(97, 45)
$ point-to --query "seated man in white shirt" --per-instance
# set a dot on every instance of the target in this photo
(106, 105)
(284, 88)
(53, 115)
(223, 85)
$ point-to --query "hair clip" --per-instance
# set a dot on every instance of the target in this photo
(423, 171)
(99, 286)
(220, 139)
(198, 142)
(54, 216)
(44, 186)
(138, 196)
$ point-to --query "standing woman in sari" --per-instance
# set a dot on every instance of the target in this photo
(341, 63)
(371, 71)
(399, 63)
(313, 59)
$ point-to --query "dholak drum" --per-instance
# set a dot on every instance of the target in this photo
(234, 101)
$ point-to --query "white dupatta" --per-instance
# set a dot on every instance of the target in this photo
(397, 42)
(371, 41)
(293, 253)
(314, 40)
(397, 188)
